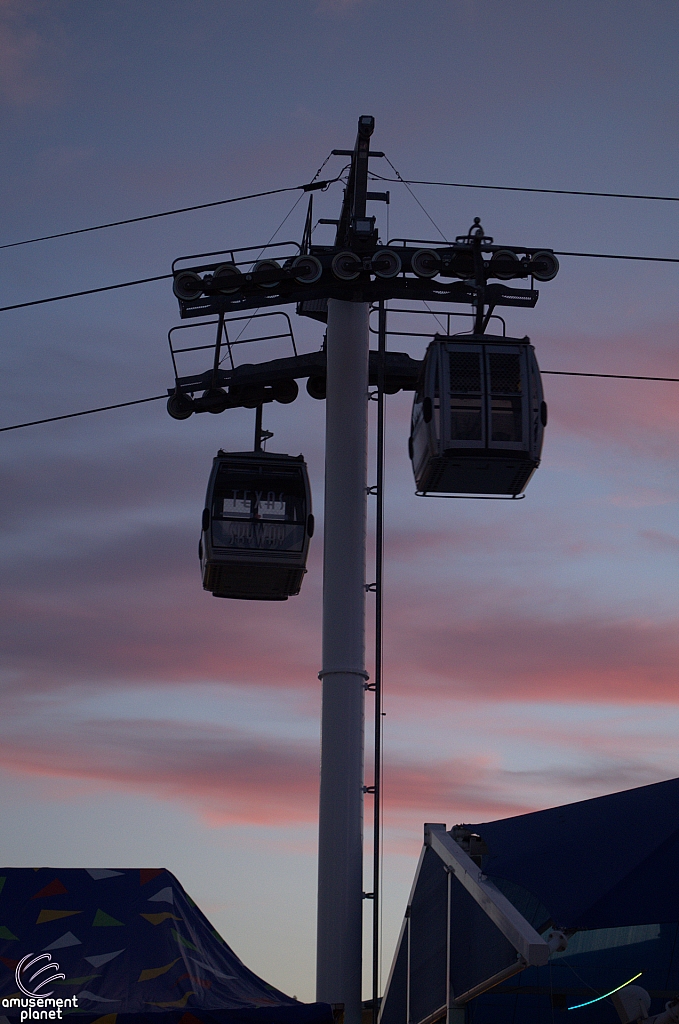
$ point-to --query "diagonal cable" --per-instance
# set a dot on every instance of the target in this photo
(404, 182)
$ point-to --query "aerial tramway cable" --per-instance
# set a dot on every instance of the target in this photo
(311, 186)
(156, 398)
(518, 188)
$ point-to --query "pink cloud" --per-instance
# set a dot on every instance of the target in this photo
(402, 544)
(229, 776)
(664, 541)
(22, 48)
(156, 637)
(642, 497)
(499, 654)
(134, 613)
(88, 598)
(458, 786)
(639, 415)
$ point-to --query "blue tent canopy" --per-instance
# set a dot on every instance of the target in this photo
(601, 863)
(130, 942)
(476, 943)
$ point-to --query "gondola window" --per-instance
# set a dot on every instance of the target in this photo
(505, 394)
(247, 515)
(466, 399)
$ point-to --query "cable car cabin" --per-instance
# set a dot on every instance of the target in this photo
(478, 416)
(257, 523)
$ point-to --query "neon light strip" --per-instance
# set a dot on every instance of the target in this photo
(607, 994)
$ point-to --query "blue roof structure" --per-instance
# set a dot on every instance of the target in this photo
(128, 943)
(604, 871)
(600, 863)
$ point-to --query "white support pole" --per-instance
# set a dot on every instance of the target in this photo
(340, 841)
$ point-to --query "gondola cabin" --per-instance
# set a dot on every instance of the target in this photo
(257, 523)
(478, 416)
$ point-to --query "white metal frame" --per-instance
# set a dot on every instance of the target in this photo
(531, 949)
(513, 925)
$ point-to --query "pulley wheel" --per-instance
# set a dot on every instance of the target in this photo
(544, 266)
(226, 278)
(215, 400)
(425, 263)
(386, 263)
(180, 406)
(270, 265)
(285, 391)
(187, 285)
(316, 387)
(347, 266)
(309, 269)
(253, 395)
(504, 264)
(461, 265)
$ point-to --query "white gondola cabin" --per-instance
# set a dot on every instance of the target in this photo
(478, 416)
(257, 523)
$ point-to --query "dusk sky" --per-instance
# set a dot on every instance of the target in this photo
(532, 647)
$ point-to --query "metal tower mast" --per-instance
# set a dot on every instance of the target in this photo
(340, 835)
(337, 284)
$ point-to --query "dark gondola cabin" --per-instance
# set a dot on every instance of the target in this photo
(257, 523)
(478, 416)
